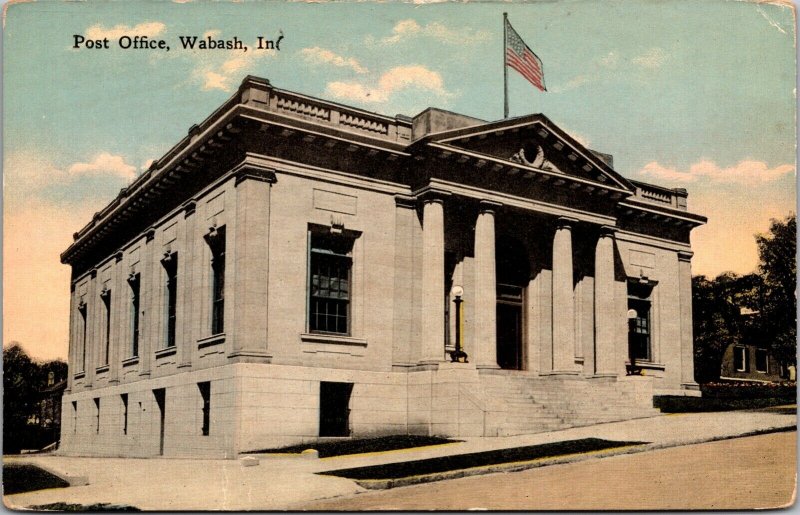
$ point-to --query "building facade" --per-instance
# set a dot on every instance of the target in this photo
(295, 269)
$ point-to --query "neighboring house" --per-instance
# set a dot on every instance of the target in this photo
(296, 269)
(751, 361)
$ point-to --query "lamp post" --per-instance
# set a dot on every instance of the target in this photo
(458, 355)
(632, 368)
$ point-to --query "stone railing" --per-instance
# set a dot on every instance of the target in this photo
(674, 198)
(344, 118)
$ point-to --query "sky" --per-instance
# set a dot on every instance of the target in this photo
(691, 94)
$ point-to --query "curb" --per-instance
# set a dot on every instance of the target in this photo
(385, 484)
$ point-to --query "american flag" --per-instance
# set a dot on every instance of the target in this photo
(522, 59)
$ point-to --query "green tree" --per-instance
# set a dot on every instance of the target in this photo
(716, 319)
(777, 251)
(23, 380)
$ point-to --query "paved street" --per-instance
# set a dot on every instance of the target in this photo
(742, 473)
(281, 482)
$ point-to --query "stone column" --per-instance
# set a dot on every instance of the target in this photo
(184, 338)
(604, 305)
(563, 299)
(687, 336)
(432, 345)
(485, 308)
(251, 263)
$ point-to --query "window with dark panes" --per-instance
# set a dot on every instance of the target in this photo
(134, 281)
(216, 241)
(124, 398)
(170, 263)
(740, 359)
(205, 393)
(106, 296)
(330, 284)
(640, 327)
(83, 313)
(762, 362)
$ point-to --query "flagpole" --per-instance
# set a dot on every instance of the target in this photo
(505, 68)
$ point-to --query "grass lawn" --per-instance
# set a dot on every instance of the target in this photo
(477, 459)
(359, 446)
(19, 478)
(62, 506)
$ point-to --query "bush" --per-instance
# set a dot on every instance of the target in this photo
(749, 390)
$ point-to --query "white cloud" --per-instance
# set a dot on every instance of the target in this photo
(104, 164)
(218, 70)
(409, 28)
(651, 59)
(147, 164)
(396, 79)
(317, 55)
(149, 29)
(610, 60)
(213, 34)
(745, 173)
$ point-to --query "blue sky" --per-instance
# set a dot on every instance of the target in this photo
(683, 93)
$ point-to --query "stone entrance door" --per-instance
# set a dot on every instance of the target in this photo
(509, 327)
(513, 275)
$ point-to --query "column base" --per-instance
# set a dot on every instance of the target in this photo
(429, 364)
(560, 373)
(606, 375)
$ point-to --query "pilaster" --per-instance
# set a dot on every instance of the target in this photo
(251, 263)
(687, 335)
(119, 297)
(184, 338)
(147, 304)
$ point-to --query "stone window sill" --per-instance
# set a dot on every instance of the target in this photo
(648, 365)
(215, 339)
(334, 339)
(317, 343)
(169, 351)
(101, 369)
(79, 375)
(130, 361)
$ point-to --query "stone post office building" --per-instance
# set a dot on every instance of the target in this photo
(291, 270)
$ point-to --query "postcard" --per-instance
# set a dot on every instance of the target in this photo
(399, 256)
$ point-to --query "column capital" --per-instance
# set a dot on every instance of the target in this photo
(489, 206)
(429, 195)
(405, 201)
(607, 230)
(685, 255)
(189, 208)
(565, 222)
(248, 171)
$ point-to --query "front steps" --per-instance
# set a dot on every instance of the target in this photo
(521, 403)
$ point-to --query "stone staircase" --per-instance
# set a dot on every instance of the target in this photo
(520, 403)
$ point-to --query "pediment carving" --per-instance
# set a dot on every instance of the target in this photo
(539, 160)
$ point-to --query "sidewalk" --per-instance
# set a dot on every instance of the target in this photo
(282, 482)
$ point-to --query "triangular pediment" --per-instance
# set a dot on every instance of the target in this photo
(534, 142)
